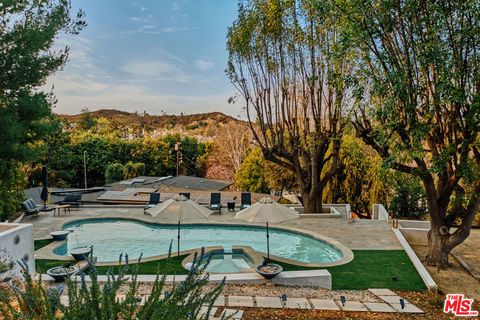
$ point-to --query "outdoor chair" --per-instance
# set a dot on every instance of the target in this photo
(72, 199)
(215, 201)
(246, 200)
(186, 194)
(152, 202)
(30, 207)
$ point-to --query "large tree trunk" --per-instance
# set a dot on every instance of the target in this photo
(312, 201)
(438, 248)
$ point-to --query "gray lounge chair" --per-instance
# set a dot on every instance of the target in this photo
(72, 199)
(246, 200)
(30, 207)
(215, 202)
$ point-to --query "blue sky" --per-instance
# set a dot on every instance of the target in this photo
(154, 56)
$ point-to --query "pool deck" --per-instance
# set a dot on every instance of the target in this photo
(359, 235)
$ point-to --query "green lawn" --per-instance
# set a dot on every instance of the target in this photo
(373, 269)
(369, 269)
(38, 244)
(172, 266)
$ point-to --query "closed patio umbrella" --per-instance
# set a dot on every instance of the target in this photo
(44, 193)
(179, 208)
(268, 211)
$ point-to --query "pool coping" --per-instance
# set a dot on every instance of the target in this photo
(47, 251)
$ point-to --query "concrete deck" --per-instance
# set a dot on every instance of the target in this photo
(359, 235)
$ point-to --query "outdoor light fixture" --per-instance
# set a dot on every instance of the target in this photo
(402, 303)
(343, 300)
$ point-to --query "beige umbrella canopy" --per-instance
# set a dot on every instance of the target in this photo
(267, 210)
(179, 208)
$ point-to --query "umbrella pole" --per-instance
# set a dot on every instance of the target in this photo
(268, 245)
(178, 239)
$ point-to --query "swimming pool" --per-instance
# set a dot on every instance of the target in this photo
(111, 237)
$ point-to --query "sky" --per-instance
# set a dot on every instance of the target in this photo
(148, 55)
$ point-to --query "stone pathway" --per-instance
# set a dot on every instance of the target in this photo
(392, 303)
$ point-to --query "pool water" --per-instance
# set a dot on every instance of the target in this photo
(111, 237)
(228, 262)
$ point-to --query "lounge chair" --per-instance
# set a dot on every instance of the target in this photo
(246, 200)
(72, 199)
(154, 200)
(30, 207)
(215, 201)
(186, 194)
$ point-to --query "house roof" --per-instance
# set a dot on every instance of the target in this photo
(173, 184)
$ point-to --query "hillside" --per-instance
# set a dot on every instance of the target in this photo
(201, 125)
(124, 118)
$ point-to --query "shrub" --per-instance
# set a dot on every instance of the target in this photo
(94, 301)
(129, 170)
(114, 173)
(139, 169)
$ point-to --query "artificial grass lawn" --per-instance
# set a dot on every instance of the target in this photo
(165, 266)
(38, 244)
(390, 269)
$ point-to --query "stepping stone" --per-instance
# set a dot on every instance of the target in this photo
(409, 308)
(324, 304)
(232, 314)
(391, 299)
(269, 302)
(382, 292)
(352, 306)
(240, 301)
(378, 307)
(203, 312)
(297, 303)
(220, 301)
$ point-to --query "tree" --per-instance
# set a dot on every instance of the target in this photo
(28, 30)
(231, 145)
(251, 176)
(284, 62)
(360, 178)
(114, 173)
(420, 108)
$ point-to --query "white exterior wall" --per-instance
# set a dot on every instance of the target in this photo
(15, 244)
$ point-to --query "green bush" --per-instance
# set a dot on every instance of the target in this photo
(11, 188)
(408, 197)
(139, 169)
(99, 301)
(114, 173)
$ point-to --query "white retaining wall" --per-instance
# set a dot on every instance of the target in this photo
(16, 244)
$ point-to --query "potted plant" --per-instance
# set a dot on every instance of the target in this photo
(81, 253)
(269, 270)
(59, 235)
(62, 272)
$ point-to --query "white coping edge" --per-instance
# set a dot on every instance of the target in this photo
(318, 278)
(422, 271)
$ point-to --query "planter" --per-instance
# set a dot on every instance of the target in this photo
(80, 254)
(61, 273)
(59, 235)
(269, 270)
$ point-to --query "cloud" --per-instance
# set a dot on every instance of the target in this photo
(75, 93)
(156, 70)
(203, 65)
